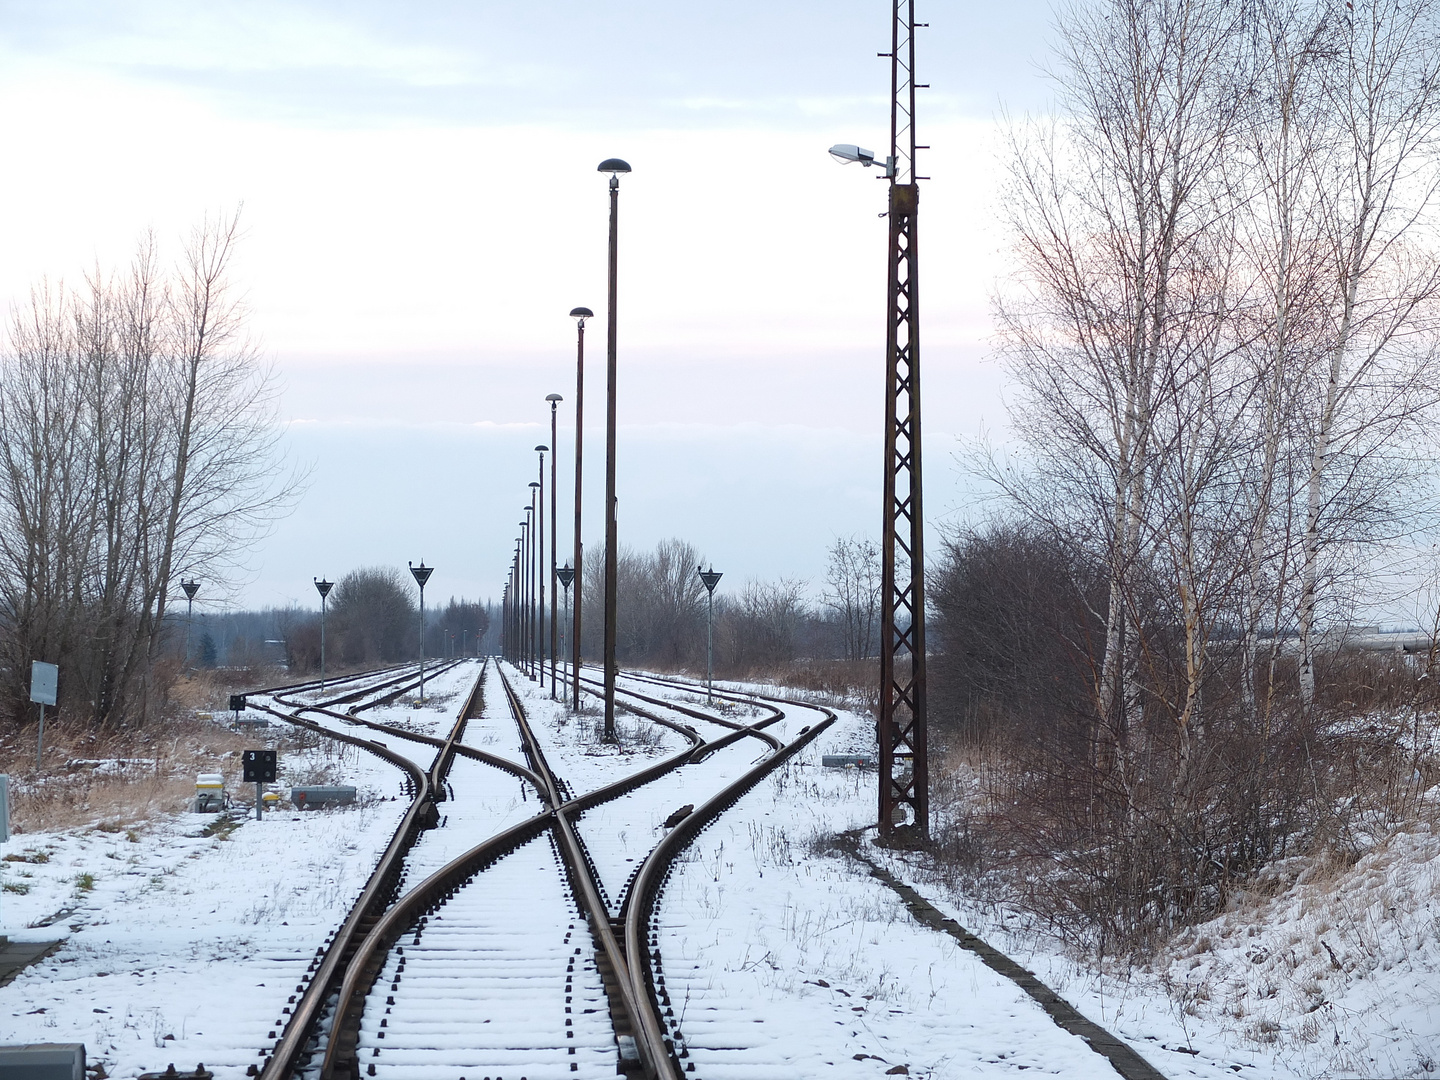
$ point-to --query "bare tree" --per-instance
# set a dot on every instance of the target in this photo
(140, 447)
(1113, 212)
(852, 578)
(1376, 384)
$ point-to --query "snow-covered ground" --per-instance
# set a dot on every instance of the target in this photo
(181, 946)
(780, 957)
(1256, 990)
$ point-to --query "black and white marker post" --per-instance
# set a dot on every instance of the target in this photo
(323, 587)
(260, 770)
(422, 574)
(191, 588)
(711, 579)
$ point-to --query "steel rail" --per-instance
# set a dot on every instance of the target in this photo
(338, 679)
(284, 1059)
(451, 745)
(394, 687)
(644, 889)
(582, 878)
(743, 730)
(366, 961)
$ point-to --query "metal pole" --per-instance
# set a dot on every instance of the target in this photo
(530, 577)
(580, 314)
(904, 763)
(540, 570)
(322, 644)
(612, 540)
(40, 741)
(422, 574)
(554, 400)
(191, 588)
(710, 649)
(524, 591)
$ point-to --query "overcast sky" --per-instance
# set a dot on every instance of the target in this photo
(422, 210)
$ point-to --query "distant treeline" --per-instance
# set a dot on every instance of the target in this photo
(372, 617)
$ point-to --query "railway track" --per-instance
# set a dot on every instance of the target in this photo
(449, 975)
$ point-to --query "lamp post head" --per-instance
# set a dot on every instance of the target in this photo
(553, 399)
(323, 587)
(191, 588)
(848, 152)
(581, 314)
(614, 166)
(542, 448)
(534, 483)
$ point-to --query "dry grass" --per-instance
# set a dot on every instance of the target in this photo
(120, 779)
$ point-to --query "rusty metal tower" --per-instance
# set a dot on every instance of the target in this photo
(904, 759)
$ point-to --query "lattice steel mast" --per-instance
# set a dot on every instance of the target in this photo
(904, 763)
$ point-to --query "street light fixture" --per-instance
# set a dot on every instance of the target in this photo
(422, 574)
(615, 167)
(579, 314)
(846, 153)
(710, 579)
(554, 400)
(323, 588)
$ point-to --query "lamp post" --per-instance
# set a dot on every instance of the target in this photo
(565, 575)
(540, 564)
(904, 804)
(422, 574)
(191, 588)
(524, 592)
(537, 545)
(554, 400)
(710, 579)
(614, 166)
(323, 587)
(579, 314)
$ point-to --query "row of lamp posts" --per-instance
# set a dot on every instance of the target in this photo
(523, 603)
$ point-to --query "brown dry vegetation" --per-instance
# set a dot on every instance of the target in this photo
(161, 760)
(1017, 823)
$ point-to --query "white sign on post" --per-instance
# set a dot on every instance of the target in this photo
(44, 681)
